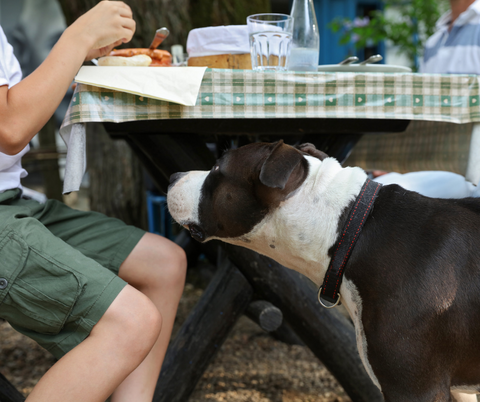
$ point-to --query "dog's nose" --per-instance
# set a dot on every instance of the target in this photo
(175, 177)
(197, 232)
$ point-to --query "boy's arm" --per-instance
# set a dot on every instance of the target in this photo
(28, 105)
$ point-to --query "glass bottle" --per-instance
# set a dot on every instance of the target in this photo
(305, 45)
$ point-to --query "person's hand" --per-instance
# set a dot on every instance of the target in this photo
(105, 26)
(103, 51)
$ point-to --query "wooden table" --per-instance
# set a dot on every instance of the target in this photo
(331, 110)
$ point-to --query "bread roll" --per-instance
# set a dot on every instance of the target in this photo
(141, 60)
(159, 57)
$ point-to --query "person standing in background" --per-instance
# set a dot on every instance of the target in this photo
(455, 47)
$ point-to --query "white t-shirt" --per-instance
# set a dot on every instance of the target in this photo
(11, 170)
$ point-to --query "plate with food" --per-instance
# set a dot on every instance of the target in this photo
(140, 57)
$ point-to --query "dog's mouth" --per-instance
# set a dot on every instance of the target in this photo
(196, 232)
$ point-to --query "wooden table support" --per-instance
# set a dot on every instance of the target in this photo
(265, 315)
(201, 336)
(8, 393)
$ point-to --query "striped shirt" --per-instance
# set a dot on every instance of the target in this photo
(456, 51)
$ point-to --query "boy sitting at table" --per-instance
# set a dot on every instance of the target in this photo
(100, 295)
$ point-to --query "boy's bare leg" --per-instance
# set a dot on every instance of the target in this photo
(116, 346)
(157, 268)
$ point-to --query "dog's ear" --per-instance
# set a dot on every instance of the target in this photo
(310, 149)
(280, 164)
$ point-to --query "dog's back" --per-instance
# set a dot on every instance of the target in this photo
(473, 204)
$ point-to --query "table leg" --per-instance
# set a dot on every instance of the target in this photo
(8, 393)
(201, 336)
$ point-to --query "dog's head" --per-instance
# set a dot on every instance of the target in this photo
(241, 189)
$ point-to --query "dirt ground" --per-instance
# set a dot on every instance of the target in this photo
(251, 366)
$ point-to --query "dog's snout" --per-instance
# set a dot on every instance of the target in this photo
(197, 232)
(176, 177)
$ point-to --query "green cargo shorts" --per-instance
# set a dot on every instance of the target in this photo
(58, 268)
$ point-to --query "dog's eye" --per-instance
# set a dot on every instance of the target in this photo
(216, 167)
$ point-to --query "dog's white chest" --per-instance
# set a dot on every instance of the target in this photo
(353, 303)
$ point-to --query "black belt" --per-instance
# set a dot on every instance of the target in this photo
(344, 247)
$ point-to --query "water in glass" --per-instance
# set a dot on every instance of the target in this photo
(269, 50)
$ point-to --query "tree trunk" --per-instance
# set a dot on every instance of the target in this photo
(116, 178)
(51, 176)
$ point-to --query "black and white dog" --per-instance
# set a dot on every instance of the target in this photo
(411, 285)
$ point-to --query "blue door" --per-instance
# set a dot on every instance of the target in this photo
(331, 52)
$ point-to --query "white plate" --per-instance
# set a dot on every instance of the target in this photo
(367, 68)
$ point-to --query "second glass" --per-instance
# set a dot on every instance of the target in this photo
(270, 40)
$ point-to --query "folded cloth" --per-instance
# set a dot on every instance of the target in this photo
(210, 41)
(76, 162)
(173, 84)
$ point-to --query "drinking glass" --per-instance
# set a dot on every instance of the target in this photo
(270, 38)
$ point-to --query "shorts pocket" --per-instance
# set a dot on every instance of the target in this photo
(43, 292)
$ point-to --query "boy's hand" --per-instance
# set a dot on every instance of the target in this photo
(105, 26)
(103, 51)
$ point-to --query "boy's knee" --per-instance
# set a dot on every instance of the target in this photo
(148, 321)
(178, 264)
(173, 269)
(144, 325)
(133, 322)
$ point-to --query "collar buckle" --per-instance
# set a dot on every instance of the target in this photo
(357, 217)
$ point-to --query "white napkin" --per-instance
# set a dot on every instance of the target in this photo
(173, 84)
(76, 162)
(210, 41)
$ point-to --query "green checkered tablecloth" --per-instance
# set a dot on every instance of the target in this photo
(247, 94)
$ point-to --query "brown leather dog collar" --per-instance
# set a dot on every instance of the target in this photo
(357, 217)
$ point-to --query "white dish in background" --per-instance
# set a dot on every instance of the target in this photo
(366, 68)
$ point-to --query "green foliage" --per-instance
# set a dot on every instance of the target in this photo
(408, 26)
